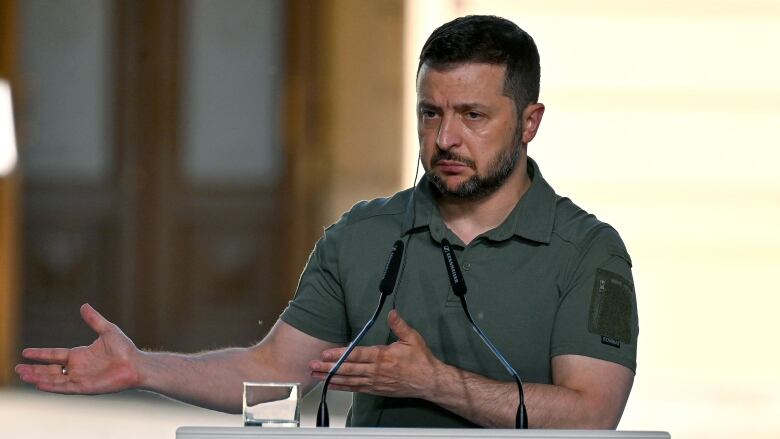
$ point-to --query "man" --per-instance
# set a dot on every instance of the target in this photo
(550, 284)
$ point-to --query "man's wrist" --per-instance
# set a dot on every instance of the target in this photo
(441, 382)
(145, 363)
(476, 398)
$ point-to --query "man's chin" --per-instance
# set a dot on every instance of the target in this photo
(452, 181)
(449, 185)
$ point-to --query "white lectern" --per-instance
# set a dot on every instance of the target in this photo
(404, 433)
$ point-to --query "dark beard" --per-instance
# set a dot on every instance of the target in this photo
(477, 186)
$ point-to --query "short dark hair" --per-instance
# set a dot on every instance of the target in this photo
(491, 40)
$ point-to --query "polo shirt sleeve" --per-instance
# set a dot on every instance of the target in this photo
(318, 306)
(597, 311)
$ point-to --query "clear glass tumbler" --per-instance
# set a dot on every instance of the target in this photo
(272, 404)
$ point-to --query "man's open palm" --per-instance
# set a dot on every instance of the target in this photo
(105, 366)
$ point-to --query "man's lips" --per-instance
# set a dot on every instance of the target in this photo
(451, 166)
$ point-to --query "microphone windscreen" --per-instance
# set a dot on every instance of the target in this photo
(453, 269)
(387, 284)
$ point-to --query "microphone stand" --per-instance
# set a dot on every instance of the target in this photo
(459, 289)
(386, 287)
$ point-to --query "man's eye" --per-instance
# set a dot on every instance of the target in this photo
(428, 114)
(473, 115)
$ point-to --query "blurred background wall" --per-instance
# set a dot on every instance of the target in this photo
(662, 119)
(181, 157)
(177, 160)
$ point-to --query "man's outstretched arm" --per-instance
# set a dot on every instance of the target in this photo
(112, 363)
(586, 392)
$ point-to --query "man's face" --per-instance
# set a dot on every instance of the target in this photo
(467, 129)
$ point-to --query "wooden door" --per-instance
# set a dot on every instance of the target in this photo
(179, 240)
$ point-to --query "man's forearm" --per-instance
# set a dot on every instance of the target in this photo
(212, 380)
(493, 404)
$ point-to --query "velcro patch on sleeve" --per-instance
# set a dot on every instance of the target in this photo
(611, 308)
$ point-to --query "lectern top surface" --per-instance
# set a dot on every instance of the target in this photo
(405, 433)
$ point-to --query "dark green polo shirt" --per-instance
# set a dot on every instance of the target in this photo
(550, 280)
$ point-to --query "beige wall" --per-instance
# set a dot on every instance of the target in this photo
(363, 100)
(662, 120)
(343, 112)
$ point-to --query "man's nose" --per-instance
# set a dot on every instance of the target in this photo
(449, 134)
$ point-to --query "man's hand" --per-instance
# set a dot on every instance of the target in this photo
(107, 365)
(586, 392)
(406, 368)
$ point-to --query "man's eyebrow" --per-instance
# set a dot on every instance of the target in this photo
(427, 105)
(468, 106)
(465, 106)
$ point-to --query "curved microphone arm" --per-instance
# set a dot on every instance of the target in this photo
(521, 418)
(386, 287)
(459, 288)
(323, 420)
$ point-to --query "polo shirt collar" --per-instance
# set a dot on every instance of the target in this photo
(532, 218)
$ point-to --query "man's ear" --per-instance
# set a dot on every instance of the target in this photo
(531, 119)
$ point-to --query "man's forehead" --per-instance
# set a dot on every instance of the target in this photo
(474, 77)
(450, 66)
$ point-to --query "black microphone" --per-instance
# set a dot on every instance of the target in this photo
(459, 288)
(386, 287)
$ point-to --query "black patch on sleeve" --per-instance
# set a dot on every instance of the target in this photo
(611, 308)
(610, 341)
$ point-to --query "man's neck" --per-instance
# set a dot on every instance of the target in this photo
(470, 218)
